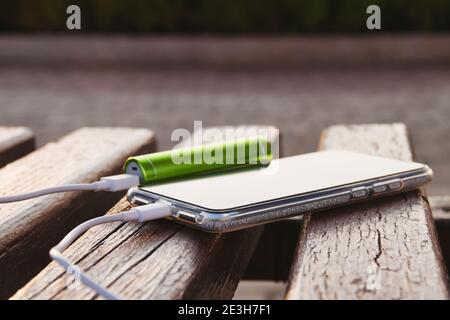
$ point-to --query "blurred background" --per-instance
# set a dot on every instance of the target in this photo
(296, 64)
(225, 17)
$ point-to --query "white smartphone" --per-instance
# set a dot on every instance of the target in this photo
(287, 187)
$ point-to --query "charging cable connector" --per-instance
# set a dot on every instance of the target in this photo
(111, 183)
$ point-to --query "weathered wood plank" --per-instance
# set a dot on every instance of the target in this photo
(383, 249)
(155, 260)
(29, 228)
(273, 256)
(15, 142)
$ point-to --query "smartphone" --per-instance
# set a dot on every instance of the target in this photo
(287, 187)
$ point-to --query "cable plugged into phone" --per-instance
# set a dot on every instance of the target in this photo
(149, 169)
(140, 214)
(111, 183)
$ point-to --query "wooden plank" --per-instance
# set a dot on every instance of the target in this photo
(29, 228)
(273, 256)
(15, 142)
(383, 249)
(156, 260)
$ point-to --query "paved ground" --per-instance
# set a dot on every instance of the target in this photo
(55, 101)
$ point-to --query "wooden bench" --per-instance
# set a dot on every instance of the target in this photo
(382, 249)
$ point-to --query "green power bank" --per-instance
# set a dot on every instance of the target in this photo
(208, 158)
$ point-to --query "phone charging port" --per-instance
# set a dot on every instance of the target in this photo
(187, 216)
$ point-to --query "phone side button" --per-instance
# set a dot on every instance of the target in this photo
(395, 184)
(380, 187)
(360, 193)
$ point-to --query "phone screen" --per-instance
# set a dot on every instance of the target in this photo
(284, 177)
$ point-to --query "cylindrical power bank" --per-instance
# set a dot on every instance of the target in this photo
(209, 158)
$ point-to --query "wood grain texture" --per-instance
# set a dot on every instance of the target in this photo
(383, 249)
(273, 255)
(155, 260)
(29, 228)
(15, 142)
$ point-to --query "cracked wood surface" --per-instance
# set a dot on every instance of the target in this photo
(273, 255)
(28, 229)
(155, 260)
(15, 142)
(382, 249)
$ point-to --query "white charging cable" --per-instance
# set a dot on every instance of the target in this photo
(141, 214)
(115, 183)
(112, 183)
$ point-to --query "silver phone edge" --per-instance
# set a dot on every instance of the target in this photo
(284, 208)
